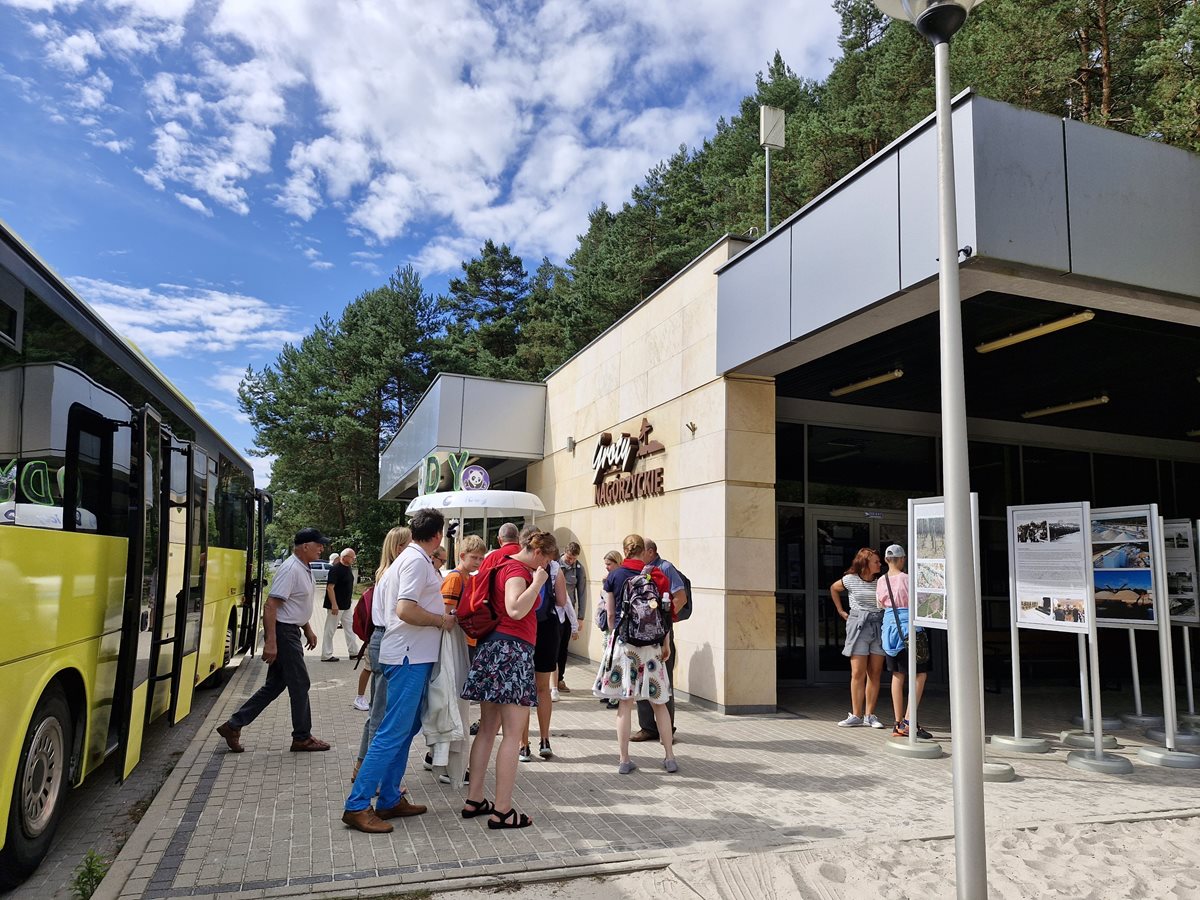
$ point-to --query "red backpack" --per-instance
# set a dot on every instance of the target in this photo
(362, 624)
(476, 615)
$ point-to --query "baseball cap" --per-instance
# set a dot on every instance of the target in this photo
(309, 535)
(894, 551)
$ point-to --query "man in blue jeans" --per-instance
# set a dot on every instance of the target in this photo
(409, 603)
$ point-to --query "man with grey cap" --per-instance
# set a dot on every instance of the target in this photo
(289, 607)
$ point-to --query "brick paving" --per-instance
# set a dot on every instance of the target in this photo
(267, 822)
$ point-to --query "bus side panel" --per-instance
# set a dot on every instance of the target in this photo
(62, 597)
(223, 591)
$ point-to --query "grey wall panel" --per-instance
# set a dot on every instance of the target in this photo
(450, 404)
(754, 304)
(416, 437)
(1134, 210)
(846, 251)
(1020, 186)
(919, 226)
(504, 418)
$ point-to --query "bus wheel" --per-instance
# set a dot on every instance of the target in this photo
(41, 786)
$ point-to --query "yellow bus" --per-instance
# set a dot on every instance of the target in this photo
(128, 530)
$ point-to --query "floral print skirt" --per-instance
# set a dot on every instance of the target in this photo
(632, 673)
(502, 672)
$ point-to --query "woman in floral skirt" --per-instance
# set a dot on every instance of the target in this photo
(630, 673)
(501, 678)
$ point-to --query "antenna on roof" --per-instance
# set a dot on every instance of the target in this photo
(770, 137)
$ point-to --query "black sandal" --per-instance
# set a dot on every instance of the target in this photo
(519, 820)
(478, 808)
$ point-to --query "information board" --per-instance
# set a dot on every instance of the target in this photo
(1124, 543)
(1050, 557)
(1179, 553)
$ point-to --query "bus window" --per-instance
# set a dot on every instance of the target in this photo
(85, 482)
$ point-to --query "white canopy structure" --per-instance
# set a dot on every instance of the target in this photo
(480, 504)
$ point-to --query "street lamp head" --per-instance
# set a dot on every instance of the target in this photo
(937, 20)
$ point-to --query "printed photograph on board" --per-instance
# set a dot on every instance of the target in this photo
(1048, 611)
(931, 605)
(931, 575)
(1177, 540)
(1182, 607)
(931, 538)
(1057, 530)
(1121, 556)
(1124, 595)
(1119, 529)
(1180, 583)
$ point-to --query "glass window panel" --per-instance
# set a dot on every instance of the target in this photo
(1055, 476)
(1168, 506)
(789, 462)
(1124, 480)
(790, 548)
(1187, 489)
(869, 469)
(995, 476)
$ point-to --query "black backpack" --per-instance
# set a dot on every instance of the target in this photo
(641, 619)
(549, 601)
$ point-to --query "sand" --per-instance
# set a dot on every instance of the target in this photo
(1155, 858)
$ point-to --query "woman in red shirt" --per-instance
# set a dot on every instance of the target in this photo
(501, 678)
(630, 672)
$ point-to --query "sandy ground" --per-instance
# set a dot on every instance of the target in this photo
(1156, 858)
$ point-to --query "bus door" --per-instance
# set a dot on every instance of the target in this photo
(141, 589)
(190, 610)
(264, 509)
(172, 585)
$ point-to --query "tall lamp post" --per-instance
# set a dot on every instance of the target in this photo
(938, 21)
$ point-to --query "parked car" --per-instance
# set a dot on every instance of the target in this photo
(320, 570)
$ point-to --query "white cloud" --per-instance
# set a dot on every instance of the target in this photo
(231, 410)
(321, 264)
(458, 119)
(262, 470)
(175, 320)
(226, 380)
(194, 203)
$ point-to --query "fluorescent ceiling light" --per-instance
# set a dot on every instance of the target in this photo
(1194, 433)
(868, 382)
(1065, 407)
(1049, 328)
(843, 455)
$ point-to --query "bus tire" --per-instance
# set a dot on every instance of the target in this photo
(43, 778)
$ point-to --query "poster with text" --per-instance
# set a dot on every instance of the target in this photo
(1051, 566)
(1179, 553)
(927, 558)
(1123, 566)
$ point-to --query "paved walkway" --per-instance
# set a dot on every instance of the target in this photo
(266, 822)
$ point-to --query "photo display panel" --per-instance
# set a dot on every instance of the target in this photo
(1051, 566)
(1179, 553)
(928, 563)
(1123, 548)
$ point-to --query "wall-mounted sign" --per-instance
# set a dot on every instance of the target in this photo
(462, 476)
(618, 458)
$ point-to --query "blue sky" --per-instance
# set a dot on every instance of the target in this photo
(215, 176)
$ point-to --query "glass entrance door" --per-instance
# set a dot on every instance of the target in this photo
(836, 535)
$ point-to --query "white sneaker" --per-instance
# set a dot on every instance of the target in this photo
(553, 695)
(873, 721)
(362, 703)
(851, 721)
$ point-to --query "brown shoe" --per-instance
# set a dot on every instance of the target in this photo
(309, 745)
(642, 735)
(366, 821)
(232, 737)
(562, 688)
(401, 810)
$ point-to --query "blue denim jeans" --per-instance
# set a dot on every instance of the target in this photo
(387, 757)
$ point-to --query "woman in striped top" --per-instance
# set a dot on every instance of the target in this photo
(864, 630)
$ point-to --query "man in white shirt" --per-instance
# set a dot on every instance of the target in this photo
(408, 601)
(288, 609)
